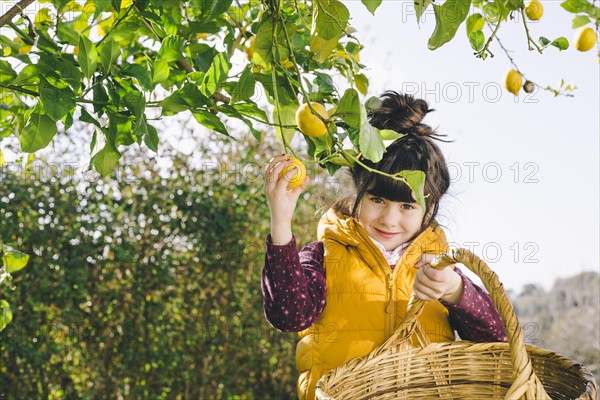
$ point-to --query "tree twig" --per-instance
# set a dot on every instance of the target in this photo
(16, 9)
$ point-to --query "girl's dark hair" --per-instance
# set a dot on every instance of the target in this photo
(416, 151)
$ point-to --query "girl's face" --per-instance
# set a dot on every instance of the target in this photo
(391, 223)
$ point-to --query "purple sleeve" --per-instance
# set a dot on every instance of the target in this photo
(475, 317)
(293, 285)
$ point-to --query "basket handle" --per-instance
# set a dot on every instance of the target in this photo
(526, 385)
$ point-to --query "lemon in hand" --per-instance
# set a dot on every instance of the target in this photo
(585, 39)
(295, 177)
(513, 81)
(310, 124)
(534, 10)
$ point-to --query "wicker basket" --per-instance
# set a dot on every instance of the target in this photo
(460, 369)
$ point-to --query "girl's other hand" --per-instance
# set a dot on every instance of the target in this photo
(432, 284)
(282, 202)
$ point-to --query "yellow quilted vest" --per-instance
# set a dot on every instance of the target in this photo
(366, 299)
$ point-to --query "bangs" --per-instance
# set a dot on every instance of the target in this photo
(391, 189)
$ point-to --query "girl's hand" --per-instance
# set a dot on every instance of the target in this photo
(432, 284)
(281, 201)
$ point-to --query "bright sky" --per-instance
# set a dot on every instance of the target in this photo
(525, 170)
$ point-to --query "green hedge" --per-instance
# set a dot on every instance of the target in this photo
(146, 286)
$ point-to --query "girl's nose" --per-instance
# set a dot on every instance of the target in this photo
(391, 217)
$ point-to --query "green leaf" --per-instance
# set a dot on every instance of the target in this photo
(263, 44)
(330, 19)
(254, 110)
(188, 97)
(362, 83)
(14, 260)
(287, 114)
(349, 108)
(372, 5)
(475, 23)
(578, 6)
(5, 314)
(322, 48)
(211, 121)
(202, 55)
(172, 48)
(135, 102)
(210, 9)
(160, 71)
(370, 142)
(420, 7)
(7, 74)
(30, 74)
(448, 18)
(100, 97)
(38, 133)
(388, 134)
(560, 43)
(323, 145)
(87, 57)
(515, 4)
(415, 180)
(109, 53)
(151, 138)
(244, 88)
(341, 161)
(215, 75)
(140, 73)
(580, 21)
(477, 40)
(86, 117)
(232, 112)
(100, 7)
(56, 102)
(492, 12)
(332, 168)
(373, 103)
(544, 41)
(105, 160)
(66, 33)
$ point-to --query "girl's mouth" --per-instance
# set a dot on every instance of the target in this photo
(385, 234)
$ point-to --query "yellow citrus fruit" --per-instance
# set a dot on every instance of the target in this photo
(287, 63)
(513, 81)
(295, 177)
(534, 10)
(249, 49)
(310, 124)
(585, 39)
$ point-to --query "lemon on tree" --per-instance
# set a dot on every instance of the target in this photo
(295, 177)
(513, 81)
(534, 10)
(585, 39)
(310, 124)
(249, 49)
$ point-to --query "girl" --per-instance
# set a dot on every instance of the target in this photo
(347, 292)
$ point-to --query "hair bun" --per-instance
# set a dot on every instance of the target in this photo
(402, 113)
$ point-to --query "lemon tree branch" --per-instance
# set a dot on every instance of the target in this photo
(529, 39)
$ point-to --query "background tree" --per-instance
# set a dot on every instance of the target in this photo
(137, 288)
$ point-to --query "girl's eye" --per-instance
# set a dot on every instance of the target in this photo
(377, 200)
(408, 207)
